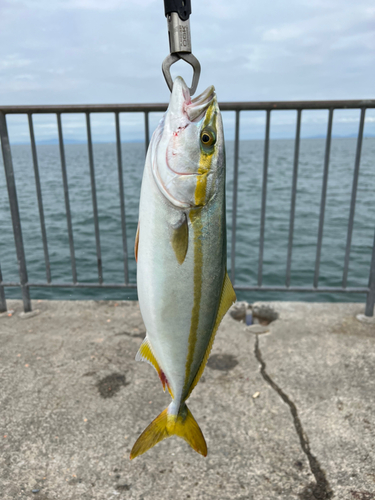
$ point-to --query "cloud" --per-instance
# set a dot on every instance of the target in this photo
(14, 61)
(91, 51)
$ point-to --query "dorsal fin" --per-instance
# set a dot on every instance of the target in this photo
(228, 297)
(145, 354)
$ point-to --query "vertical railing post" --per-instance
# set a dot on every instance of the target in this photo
(293, 200)
(264, 197)
(66, 198)
(94, 200)
(354, 197)
(39, 197)
(371, 284)
(16, 220)
(323, 198)
(147, 132)
(3, 302)
(122, 198)
(234, 199)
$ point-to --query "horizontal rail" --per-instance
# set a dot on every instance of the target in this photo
(72, 285)
(155, 107)
(324, 289)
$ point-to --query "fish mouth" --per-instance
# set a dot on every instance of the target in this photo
(194, 109)
(199, 105)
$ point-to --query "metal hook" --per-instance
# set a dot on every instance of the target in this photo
(190, 59)
(180, 44)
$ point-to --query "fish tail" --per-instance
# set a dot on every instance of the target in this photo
(167, 424)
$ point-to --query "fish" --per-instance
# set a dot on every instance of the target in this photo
(183, 286)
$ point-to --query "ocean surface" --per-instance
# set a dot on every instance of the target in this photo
(281, 155)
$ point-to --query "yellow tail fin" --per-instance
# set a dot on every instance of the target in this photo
(165, 425)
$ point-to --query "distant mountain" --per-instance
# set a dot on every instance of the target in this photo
(350, 136)
(55, 142)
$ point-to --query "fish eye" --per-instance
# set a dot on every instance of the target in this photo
(208, 138)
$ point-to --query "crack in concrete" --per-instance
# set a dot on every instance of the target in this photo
(322, 489)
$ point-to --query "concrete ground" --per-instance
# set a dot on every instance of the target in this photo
(289, 414)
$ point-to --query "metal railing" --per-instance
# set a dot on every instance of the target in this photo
(237, 107)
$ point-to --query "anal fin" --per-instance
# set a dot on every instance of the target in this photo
(136, 243)
(228, 297)
(145, 354)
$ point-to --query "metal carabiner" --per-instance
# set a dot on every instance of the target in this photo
(177, 12)
(190, 59)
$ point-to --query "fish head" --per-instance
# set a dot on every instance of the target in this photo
(188, 157)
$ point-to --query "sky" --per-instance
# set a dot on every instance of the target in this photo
(110, 51)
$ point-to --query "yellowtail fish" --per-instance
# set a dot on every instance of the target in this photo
(183, 286)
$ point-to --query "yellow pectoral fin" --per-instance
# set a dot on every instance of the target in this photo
(228, 297)
(145, 354)
(180, 241)
(183, 425)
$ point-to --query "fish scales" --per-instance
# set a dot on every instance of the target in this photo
(183, 287)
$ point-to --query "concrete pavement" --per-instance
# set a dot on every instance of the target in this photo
(289, 414)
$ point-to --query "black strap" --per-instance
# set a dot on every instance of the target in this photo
(182, 7)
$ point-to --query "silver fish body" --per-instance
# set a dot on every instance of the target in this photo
(183, 287)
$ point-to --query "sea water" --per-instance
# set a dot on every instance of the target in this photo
(279, 187)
